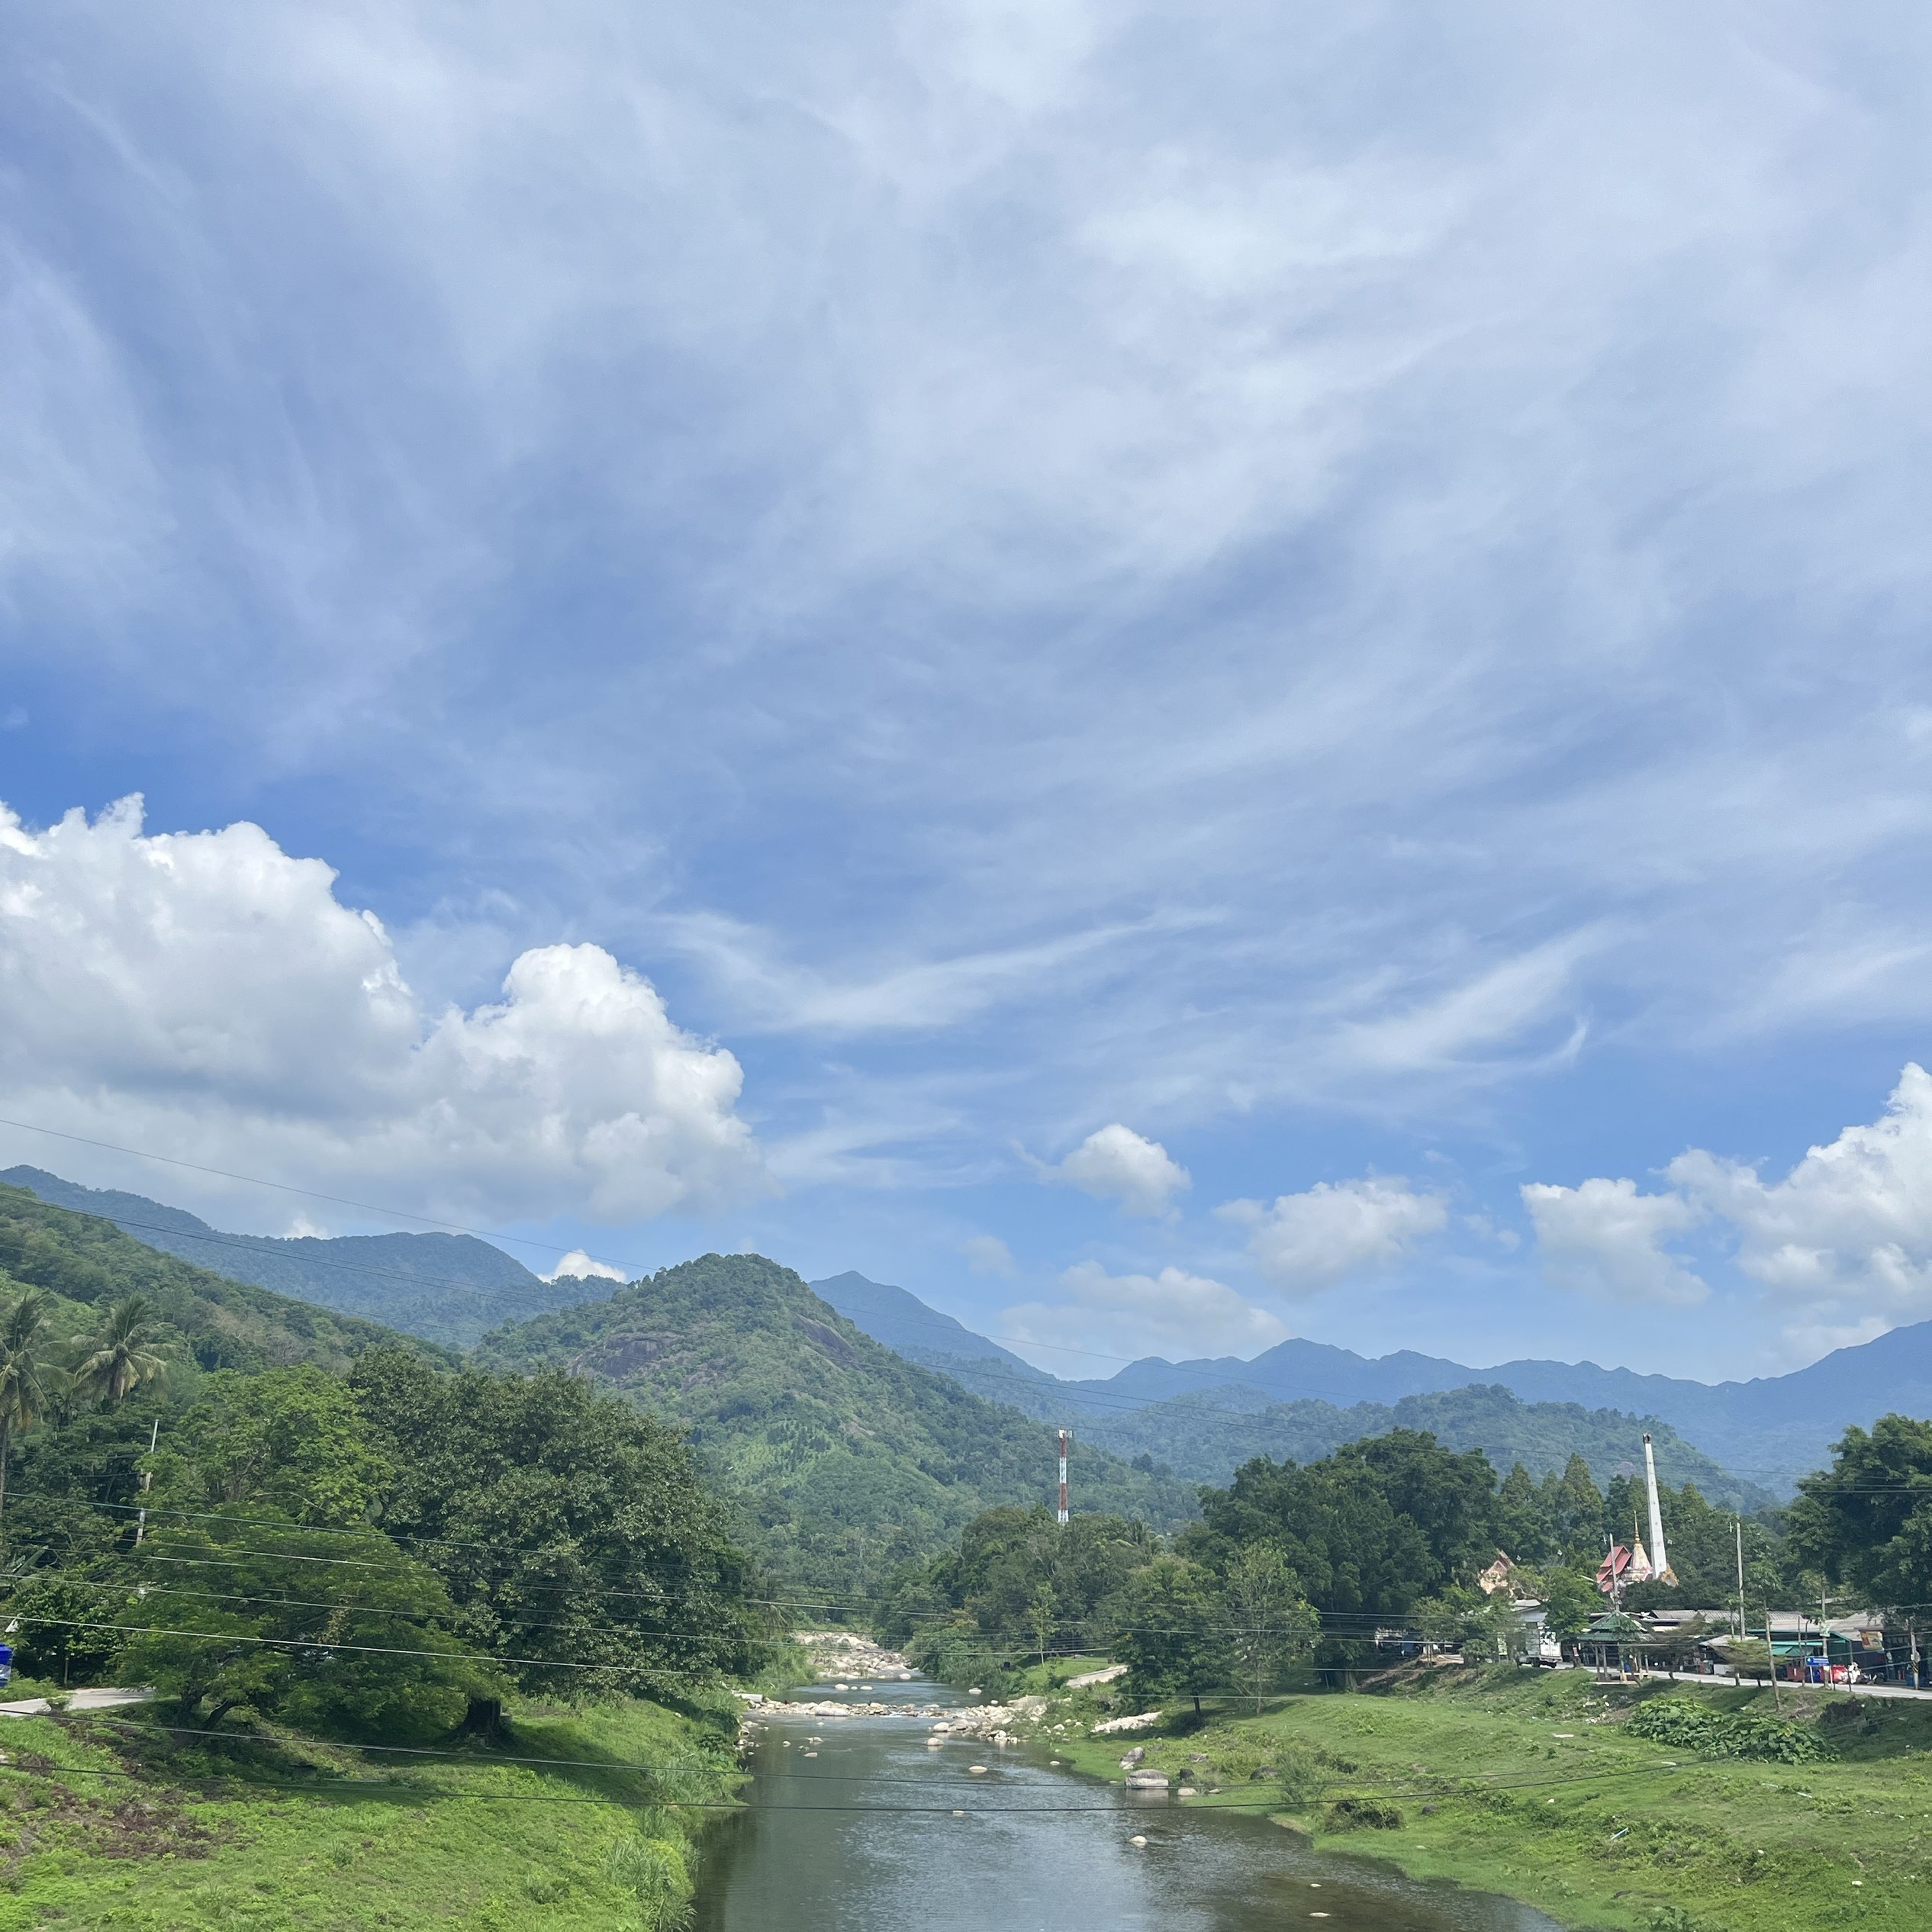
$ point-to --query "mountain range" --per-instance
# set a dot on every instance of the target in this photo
(1198, 1418)
(1769, 1430)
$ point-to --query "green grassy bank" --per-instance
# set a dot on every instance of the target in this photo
(1534, 1784)
(123, 1824)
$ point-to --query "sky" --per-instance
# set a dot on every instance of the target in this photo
(1177, 675)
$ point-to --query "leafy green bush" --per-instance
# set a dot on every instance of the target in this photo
(1363, 1815)
(1687, 1726)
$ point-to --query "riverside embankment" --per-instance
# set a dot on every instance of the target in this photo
(1536, 1784)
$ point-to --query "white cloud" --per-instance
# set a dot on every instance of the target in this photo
(207, 996)
(1851, 1221)
(1606, 1240)
(1172, 1313)
(1309, 1241)
(1115, 1164)
(577, 1262)
(987, 1254)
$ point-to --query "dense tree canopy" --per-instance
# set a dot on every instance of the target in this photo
(572, 1532)
(1867, 1520)
(1370, 1531)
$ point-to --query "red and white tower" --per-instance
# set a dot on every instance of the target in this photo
(1065, 1438)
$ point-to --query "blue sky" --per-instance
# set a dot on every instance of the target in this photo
(1200, 672)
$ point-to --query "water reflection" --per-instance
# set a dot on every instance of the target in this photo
(863, 1837)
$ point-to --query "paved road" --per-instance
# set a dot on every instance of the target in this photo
(1850, 1690)
(104, 1698)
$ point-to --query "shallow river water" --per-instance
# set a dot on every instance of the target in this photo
(863, 1837)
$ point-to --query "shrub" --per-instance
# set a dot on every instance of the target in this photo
(1364, 1814)
(1689, 1726)
(655, 1869)
(1301, 1778)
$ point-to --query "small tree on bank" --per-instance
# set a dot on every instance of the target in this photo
(1174, 1635)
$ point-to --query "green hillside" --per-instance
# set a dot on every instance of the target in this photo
(1197, 1437)
(451, 1289)
(847, 1459)
(84, 1263)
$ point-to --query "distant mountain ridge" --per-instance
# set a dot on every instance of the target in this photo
(1768, 1431)
(451, 1289)
(210, 1320)
(455, 1288)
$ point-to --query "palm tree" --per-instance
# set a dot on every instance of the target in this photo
(23, 1395)
(122, 1360)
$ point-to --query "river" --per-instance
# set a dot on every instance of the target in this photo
(876, 1832)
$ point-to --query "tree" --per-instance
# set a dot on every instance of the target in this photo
(338, 1633)
(291, 1442)
(1867, 1520)
(573, 1534)
(123, 1359)
(23, 1394)
(1574, 1603)
(1268, 1618)
(1577, 1507)
(1522, 1522)
(1173, 1636)
(1370, 1531)
(1042, 1619)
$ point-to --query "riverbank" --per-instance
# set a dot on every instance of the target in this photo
(1533, 1784)
(114, 1821)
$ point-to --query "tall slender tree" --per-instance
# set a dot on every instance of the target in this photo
(123, 1358)
(22, 1393)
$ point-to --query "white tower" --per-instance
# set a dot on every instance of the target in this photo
(1660, 1561)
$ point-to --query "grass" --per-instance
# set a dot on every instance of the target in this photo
(122, 1825)
(1528, 1783)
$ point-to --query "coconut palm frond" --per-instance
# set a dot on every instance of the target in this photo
(123, 1357)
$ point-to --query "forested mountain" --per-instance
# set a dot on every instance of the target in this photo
(454, 1289)
(849, 1459)
(1768, 1431)
(1199, 1437)
(84, 1263)
(447, 1288)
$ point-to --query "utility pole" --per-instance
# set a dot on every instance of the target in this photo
(1065, 1438)
(147, 1482)
(1741, 1579)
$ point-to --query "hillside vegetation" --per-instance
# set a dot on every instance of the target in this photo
(848, 1459)
(356, 1579)
(1200, 1437)
(84, 1262)
(450, 1289)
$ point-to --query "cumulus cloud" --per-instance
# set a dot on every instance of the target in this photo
(1606, 1240)
(578, 1265)
(207, 995)
(1853, 1218)
(1115, 1164)
(1172, 1313)
(987, 1254)
(1309, 1241)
